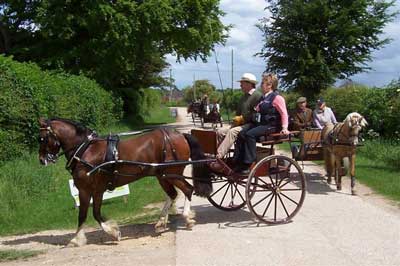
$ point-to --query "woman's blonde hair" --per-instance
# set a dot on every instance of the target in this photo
(272, 78)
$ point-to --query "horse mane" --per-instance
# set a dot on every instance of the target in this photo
(80, 128)
(363, 122)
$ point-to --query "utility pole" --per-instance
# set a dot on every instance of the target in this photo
(232, 69)
(170, 85)
(194, 87)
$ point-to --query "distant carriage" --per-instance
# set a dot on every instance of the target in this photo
(198, 110)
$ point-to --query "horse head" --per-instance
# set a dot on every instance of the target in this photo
(355, 122)
(56, 134)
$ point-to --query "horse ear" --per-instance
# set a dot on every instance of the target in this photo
(42, 122)
(362, 121)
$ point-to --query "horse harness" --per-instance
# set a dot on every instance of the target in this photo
(334, 138)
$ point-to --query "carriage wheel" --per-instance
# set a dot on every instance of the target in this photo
(275, 189)
(228, 194)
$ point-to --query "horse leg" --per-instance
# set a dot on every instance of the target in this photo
(110, 227)
(352, 166)
(329, 164)
(80, 238)
(187, 190)
(169, 189)
(338, 177)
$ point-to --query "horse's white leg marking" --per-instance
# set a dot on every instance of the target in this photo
(161, 225)
(79, 239)
(111, 228)
(187, 214)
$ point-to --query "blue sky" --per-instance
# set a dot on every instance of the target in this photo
(246, 39)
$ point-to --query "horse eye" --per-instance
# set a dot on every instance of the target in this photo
(40, 139)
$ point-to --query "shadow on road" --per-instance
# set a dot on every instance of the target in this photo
(98, 237)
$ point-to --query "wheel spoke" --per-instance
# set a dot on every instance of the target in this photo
(215, 192)
(226, 191)
(269, 203)
(283, 205)
(290, 189)
(275, 208)
(289, 199)
(238, 191)
(258, 202)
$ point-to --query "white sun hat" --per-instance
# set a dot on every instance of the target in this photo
(249, 78)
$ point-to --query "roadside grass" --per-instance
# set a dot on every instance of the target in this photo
(377, 166)
(13, 254)
(35, 198)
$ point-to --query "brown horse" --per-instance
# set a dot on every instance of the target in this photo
(340, 141)
(84, 151)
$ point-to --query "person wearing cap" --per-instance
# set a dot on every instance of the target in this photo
(303, 116)
(205, 104)
(244, 114)
(322, 114)
(273, 117)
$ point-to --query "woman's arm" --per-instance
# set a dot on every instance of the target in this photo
(280, 105)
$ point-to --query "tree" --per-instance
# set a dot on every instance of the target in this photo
(121, 44)
(312, 43)
(200, 88)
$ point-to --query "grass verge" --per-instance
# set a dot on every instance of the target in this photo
(35, 198)
(13, 254)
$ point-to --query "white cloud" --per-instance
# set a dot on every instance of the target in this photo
(246, 39)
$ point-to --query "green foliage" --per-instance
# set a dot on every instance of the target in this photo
(199, 89)
(118, 43)
(28, 93)
(231, 99)
(139, 103)
(380, 107)
(310, 44)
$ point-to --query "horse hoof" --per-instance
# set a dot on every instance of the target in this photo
(77, 243)
(339, 187)
(160, 229)
(117, 236)
(329, 180)
(190, 223)
(353, 192)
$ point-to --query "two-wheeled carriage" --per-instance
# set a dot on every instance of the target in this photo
(275, 189)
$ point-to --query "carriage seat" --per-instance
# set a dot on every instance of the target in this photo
(277, 138)
(310, 148)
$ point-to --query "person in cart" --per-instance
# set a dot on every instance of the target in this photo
(302, 116)
(271, 117)
(244, 114)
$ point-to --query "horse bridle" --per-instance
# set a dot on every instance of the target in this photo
(335, 137)
(53, 157)
(49, 132)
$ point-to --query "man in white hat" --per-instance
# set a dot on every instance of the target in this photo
(244, 113)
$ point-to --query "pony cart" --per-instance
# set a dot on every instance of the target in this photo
(274, 190)
(332, 144)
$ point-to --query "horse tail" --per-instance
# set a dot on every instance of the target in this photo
(201, 174)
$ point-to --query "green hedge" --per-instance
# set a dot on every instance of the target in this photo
(380, 106)
(27, 93)
(139, 103)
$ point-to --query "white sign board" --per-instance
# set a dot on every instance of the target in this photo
(117, 192)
